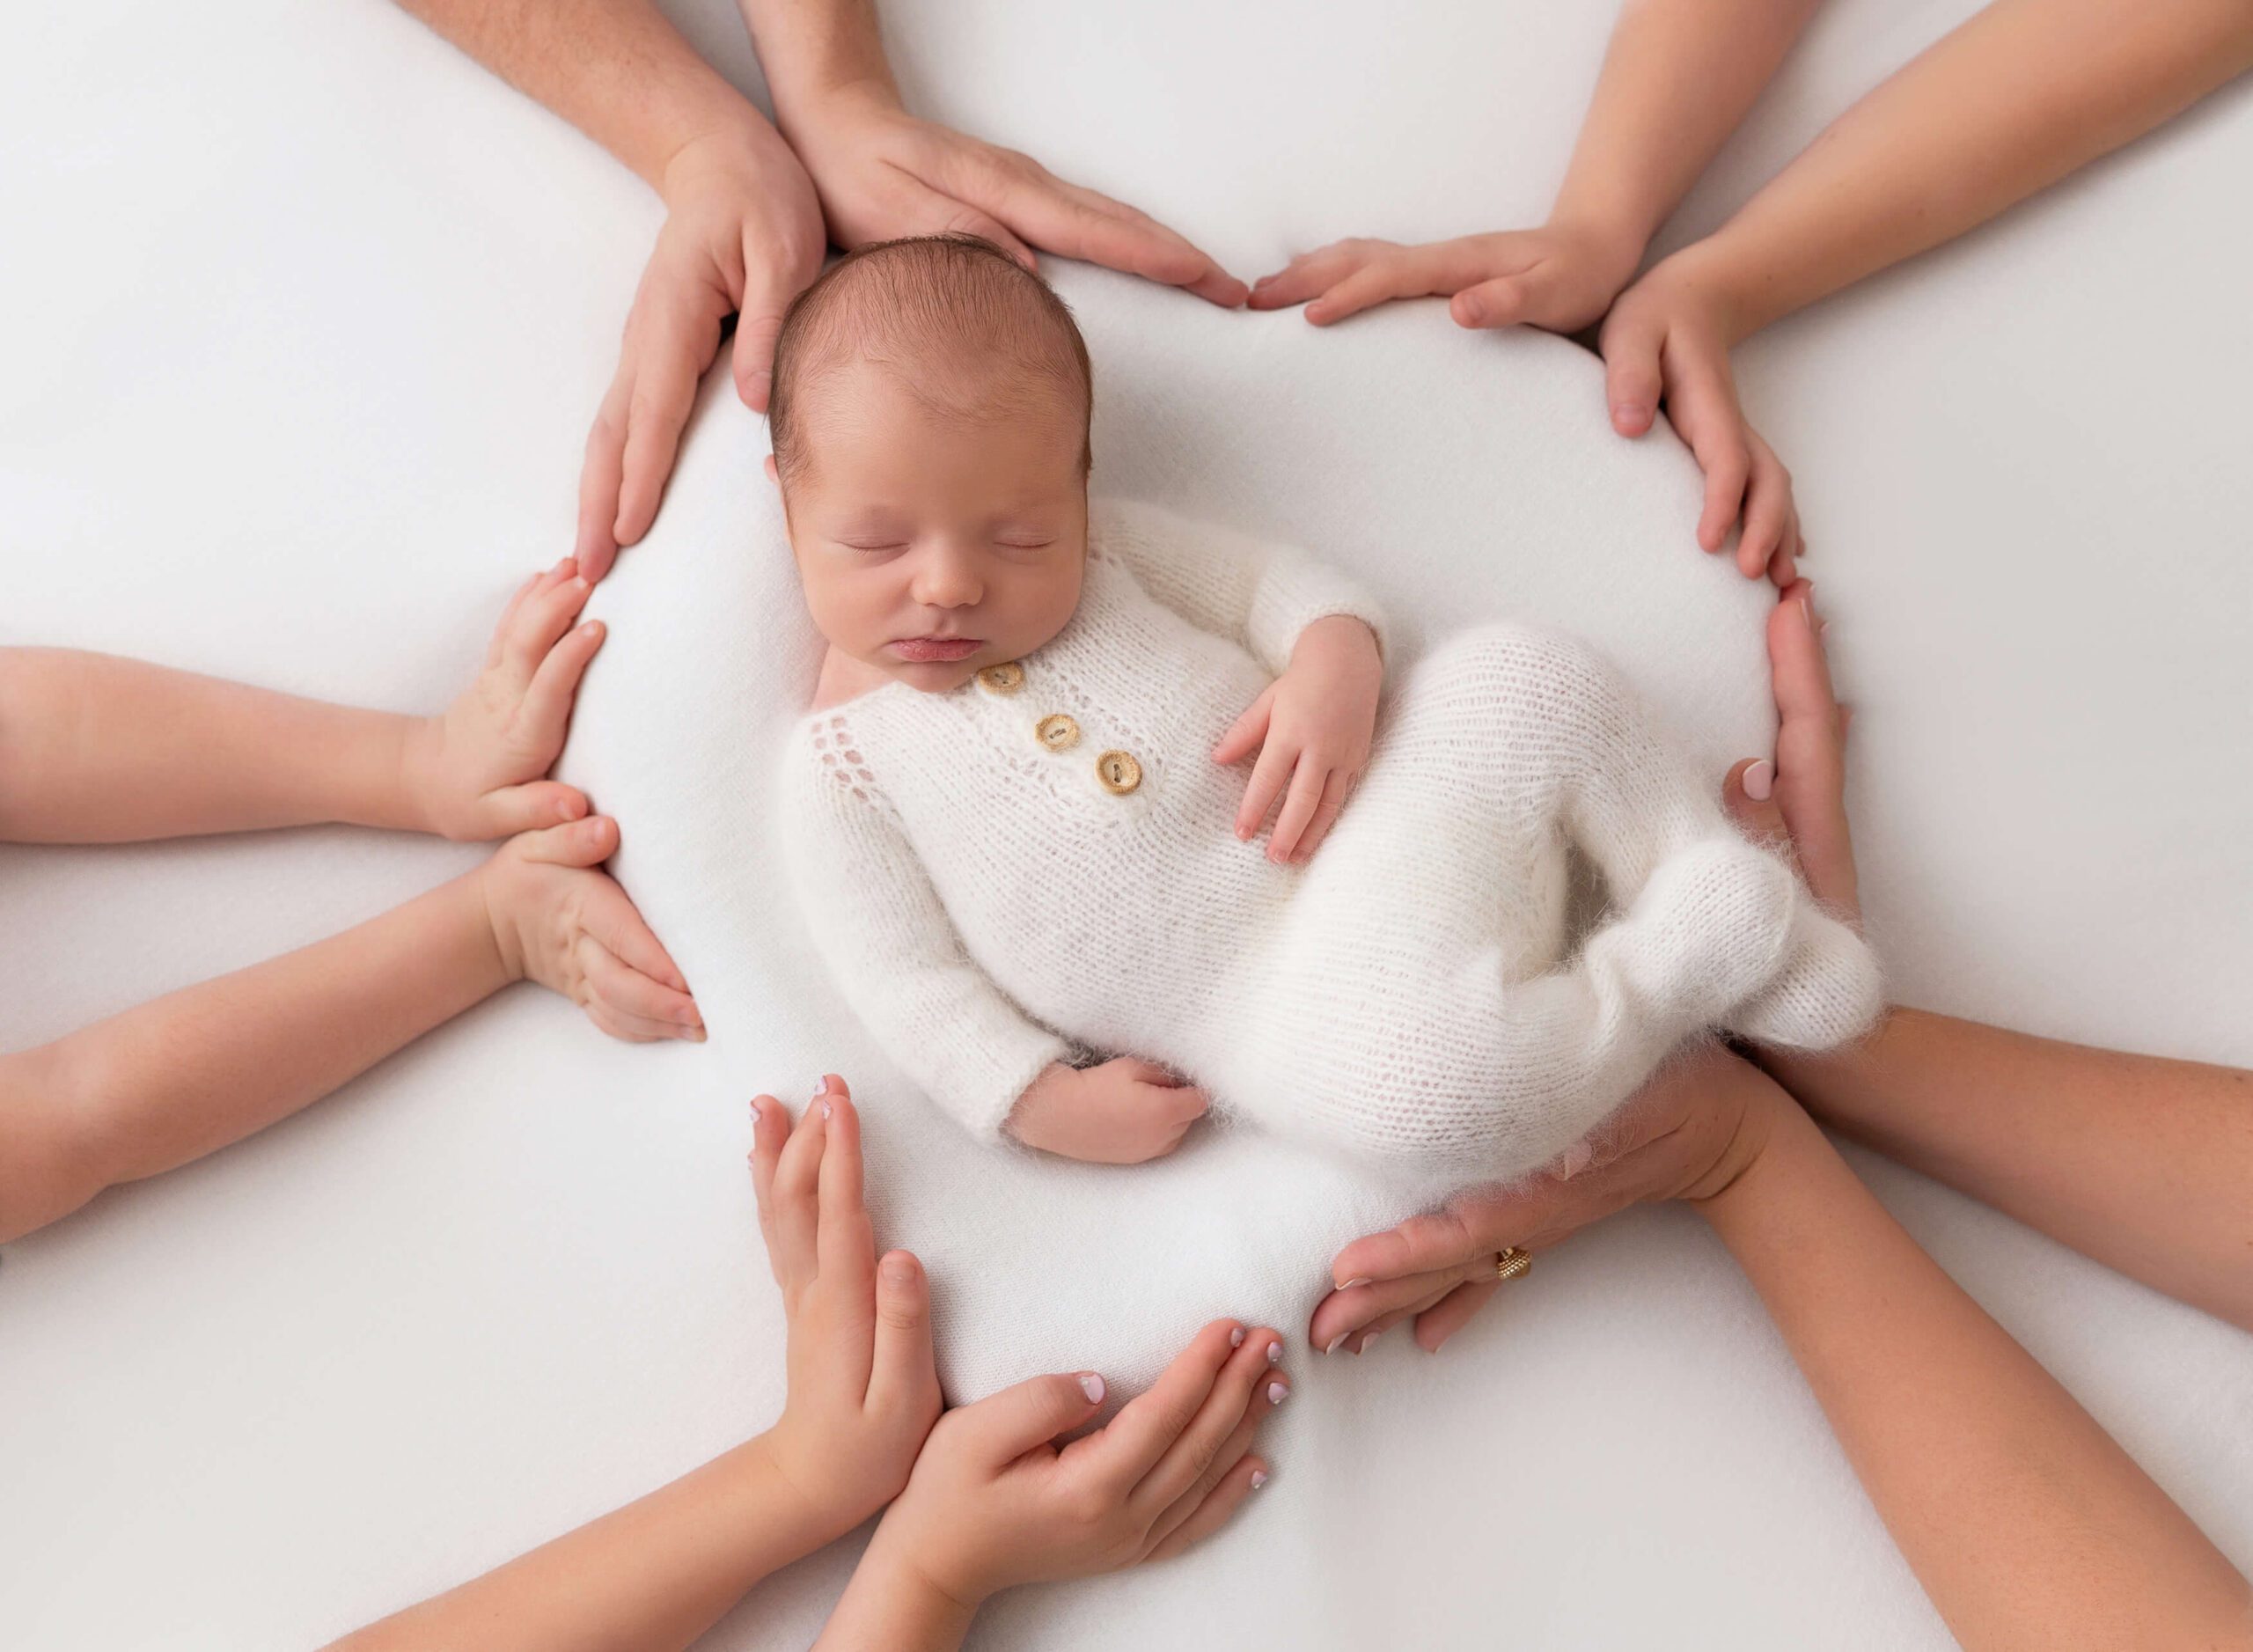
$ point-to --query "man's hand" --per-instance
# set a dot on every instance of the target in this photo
(1312, 727)
(882, 173)
(1560, 276)
(1125, 1111)
(743, 236)
(1670, 336)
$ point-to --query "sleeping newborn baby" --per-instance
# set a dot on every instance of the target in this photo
(1019, 853)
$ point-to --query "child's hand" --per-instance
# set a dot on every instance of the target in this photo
(1312, 728)
(477, 770)
(994, 1503)
(1122, 1112)
(864, 1390)
(1560, 276)
(559, 922)
(1669, 334)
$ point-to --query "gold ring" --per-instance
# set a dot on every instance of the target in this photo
(1510, 1261)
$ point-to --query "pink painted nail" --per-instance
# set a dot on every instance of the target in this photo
(1277, 1392)
(1337, 1341)
(1091, 1385)
(1759, 781)
(1275, 1352)
(1350, 1283)
(1235, 1338)
(1258, 1478)
(827, 1112)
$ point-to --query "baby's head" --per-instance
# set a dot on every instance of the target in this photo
(929, 419)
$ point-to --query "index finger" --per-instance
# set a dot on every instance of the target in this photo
(847, 1242)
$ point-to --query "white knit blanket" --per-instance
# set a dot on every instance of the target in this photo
(1496, 442)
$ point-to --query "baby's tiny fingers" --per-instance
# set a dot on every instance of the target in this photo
(629, 992)
(770, 1130)
(797, 1197)
(556, 685)
(1278, 758)
(613, 919)
(541, 622)
(1300, 806)
(629, 1029)
(508, 613)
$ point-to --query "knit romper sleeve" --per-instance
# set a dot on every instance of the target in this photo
(1257, 594)
(885, 933)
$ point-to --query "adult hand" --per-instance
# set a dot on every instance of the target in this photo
(743, 235)
(882, 173)
(1689, 1133)
(1670, 336)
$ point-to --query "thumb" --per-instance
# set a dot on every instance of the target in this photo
(758, 324)
(1632, 383)
(1248, 732)
(527, 808)
(902, 1371)
(587, 842)
(1014, 1421)
(1748, 795)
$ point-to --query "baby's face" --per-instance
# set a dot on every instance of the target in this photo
(931, 545)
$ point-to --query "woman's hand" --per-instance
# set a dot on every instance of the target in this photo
(1560, 276)
(863, 1389)
(1669, 337)
(743, 236)
(882, 173)
(994, 1502)
(1691, 1131)
(1312, 728)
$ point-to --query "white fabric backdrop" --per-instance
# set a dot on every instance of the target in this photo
(302, 318)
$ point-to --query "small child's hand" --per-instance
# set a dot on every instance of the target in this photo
(1560, 276)
(1669, 334)
(1124, 1111)
(1312, 727)
(558, 921)
(994, 1503)
(477, 770)
(863, 1389)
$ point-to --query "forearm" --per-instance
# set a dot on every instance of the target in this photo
(649, 1577)
(811, 49)
(1677, 77)
(102, 750)
(168, 1082)
(2023, 93)
(2026, 1525)
(614, 69)
(888, 1607)
(2144, 1163)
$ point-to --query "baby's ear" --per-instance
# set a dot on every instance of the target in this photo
(772, 474)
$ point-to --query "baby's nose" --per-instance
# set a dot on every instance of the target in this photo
(947, 579)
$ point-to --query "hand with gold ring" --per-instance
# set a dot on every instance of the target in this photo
(1687, 1134)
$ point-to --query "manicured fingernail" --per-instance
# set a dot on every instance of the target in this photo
(1258, 1478)
(1759, 781)
(1356, 1280)
(1091, 1385)
(1277, 1392)
(822, 1089)
(828, 1112)
(1235, 1338)
(1337, 1342)
(1275, 1352)
(1359, 1343)
(695, 1035)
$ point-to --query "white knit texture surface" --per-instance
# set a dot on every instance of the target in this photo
(1413, 996)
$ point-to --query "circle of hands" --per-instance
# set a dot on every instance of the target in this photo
(750, 215)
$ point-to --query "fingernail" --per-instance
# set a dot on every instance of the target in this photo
(1235, 1338)
(1275, 1352)
(822, 1089)
(1337, 1342)
(1759, 781)
(1807, 602)
(899, 1270)
(1822, 630)
(1091, 1385)
(1277, 1392)
(828, 1112)
(1356, 1280)
(1359, 1345)
(592, 628)
(1258, 1478)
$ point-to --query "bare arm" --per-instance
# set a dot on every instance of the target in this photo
(2145, 1164)
(2025, 1523)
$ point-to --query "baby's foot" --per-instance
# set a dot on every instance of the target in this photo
(1798, 802)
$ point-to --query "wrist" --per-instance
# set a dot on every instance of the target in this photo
(743, 147)
(1709, 273)
(414, 766)
(917, 1594)
(766, 1458)
(1738, 1196)
(1614, 234)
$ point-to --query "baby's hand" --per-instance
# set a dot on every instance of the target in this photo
(1560, 276)
(1669, 334)
(864, 1389)
(1121, 1113)
(1312, 728)
(559, 922)
(994, 1503)
(477, 770)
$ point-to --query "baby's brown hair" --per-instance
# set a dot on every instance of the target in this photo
(905, 301)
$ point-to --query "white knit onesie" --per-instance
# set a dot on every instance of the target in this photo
(991, 903)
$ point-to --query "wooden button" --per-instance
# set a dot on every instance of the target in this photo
(1005, 678)
(1119, 772)
(1058, 732)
